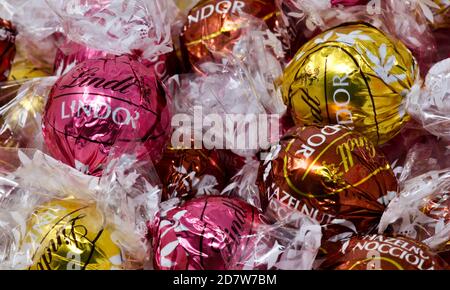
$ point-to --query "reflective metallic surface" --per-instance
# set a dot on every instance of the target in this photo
(352, 75)
(204, 233)
(7, 48)
(104, 106)
(376, 252)
(70, 235)
(331, 174)
(213, 27)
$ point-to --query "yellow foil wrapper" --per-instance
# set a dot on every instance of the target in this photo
(441, 15)
(70, 235)
(353, 75)
(24, 69)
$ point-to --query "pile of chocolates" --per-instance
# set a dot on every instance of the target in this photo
(224, 135)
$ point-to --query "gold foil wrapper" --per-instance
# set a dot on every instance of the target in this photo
(24, 69)
(20, 118)
(441, 15)
(70, 235)
(353, 75)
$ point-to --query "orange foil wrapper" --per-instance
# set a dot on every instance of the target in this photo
(213, 27)
(377, 252)
(331, 174)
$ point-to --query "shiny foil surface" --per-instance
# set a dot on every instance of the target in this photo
(112, 105)
(187, 173)
(377, 252)
(353, 75)
(213, 27)
(71, 54)
(441, 15)
(20, 120)
(7, 48)
(206, 233)
(70, 235)
(331, 174)
(24, 69)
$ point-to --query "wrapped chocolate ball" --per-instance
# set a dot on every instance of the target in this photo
(377, 252)
(353, 75)
(71, 54)
(187, 173)
(212, 229)
(103, 106)
(20, 118)
(422, 210)
(7, 48)
(332, 174)
(221, 233)
(213, 27)
(70, 235)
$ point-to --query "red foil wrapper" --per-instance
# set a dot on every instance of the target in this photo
(331, 174)
(7, 48)
(377, 252)
(187, 173)
(203, 234)
(103, 106)
(213, 27)
(71, 54)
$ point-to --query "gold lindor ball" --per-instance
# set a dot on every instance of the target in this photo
(353, 75)
(70, 235)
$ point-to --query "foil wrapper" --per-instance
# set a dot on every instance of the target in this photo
(112, 105)
(222, 233)
(203, 234)
(214, 27)
(353, 75)
(70, 235)
(7, 48)
(377, 252)
(71, 54)
(187, 173)
(331, 174)
(20, 118)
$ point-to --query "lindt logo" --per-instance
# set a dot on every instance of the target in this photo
(100, 110)
(222, 7)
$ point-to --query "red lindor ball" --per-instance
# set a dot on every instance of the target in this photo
(71, 54)
(7, 48)
(207, 233)
(103, 106)
(214, 26)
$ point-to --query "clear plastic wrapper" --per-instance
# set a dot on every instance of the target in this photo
(21, 112)
(428, 102)
(118, 27)
(38, 29)
(240, 86)
(214, 30)
(422, 210)
(54, 217)
(309, 18)
(222, 233)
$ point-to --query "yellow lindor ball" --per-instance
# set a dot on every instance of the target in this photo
(352, 75)
(70, 235)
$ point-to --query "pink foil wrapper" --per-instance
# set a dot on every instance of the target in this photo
(103, 106)
(71, 54)
(203, 234)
